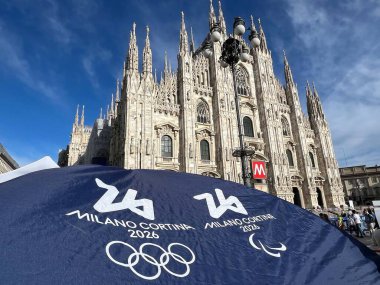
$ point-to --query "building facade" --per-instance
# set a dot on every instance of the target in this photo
(7, 163)
(187, 122)
(361, 184)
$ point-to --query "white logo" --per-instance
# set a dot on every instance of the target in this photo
(265, 248)
(259, 169)
(161, 262)
(105, 203)
(225, 204)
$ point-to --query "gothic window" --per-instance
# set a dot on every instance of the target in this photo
(248, 127)
(285, 127)
(242, 82)
(312, 159)
(290, 157)
(166, 146)
(205, 150)
(203, 114)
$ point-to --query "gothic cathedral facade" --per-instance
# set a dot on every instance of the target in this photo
(187, 122)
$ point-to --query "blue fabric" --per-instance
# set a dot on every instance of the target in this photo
(51, 233)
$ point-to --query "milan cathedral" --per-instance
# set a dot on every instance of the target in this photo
(187, 122)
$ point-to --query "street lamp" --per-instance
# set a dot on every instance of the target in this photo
(233, 51)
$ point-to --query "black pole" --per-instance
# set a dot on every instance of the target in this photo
(246, 179)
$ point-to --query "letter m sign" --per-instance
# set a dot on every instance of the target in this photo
(258, 170)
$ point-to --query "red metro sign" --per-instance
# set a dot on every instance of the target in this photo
(258, 170)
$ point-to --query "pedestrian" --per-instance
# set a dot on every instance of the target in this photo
(369, 219)
(341, 223)
(350, 222)
(372, 211)
(324, 217)
(358, 223)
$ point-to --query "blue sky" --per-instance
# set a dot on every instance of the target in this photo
(57, 54)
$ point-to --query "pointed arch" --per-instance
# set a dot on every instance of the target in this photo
(242, 82)
(297, 197)
(312, 159)
(248, 127)
(166, 146)
(205, 150)
(289, 154)
(203, 112)
(320, 198)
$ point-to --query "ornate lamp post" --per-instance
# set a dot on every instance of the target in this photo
(233, 51)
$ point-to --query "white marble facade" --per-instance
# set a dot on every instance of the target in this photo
(187, 122)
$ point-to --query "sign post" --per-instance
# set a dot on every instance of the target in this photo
(259, 170)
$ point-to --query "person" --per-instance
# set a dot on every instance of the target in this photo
(372, 211)
(350, 222)
(341, 223)
(369, 219)
(358, 223)
(324, 217)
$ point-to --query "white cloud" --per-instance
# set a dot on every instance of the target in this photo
(343, 58)
(12, 59)
(90, 60)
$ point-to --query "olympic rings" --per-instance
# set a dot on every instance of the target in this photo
(160, 264)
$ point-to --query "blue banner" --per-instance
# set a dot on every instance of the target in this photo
(105, 225)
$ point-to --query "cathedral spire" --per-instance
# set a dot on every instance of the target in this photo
(263, 40)
(82, 117)
(318, 103)
(253, 27)
(310, 103)
(133, 54)
(315, 92)
(147, 55)
(101, 113)
(212, 17)
(166, 65)
(183, 39)
(192, 45)
(117, 91)
(222, 22)
(288, 71)
(308, 89)
(77, 116)
(112, 105)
